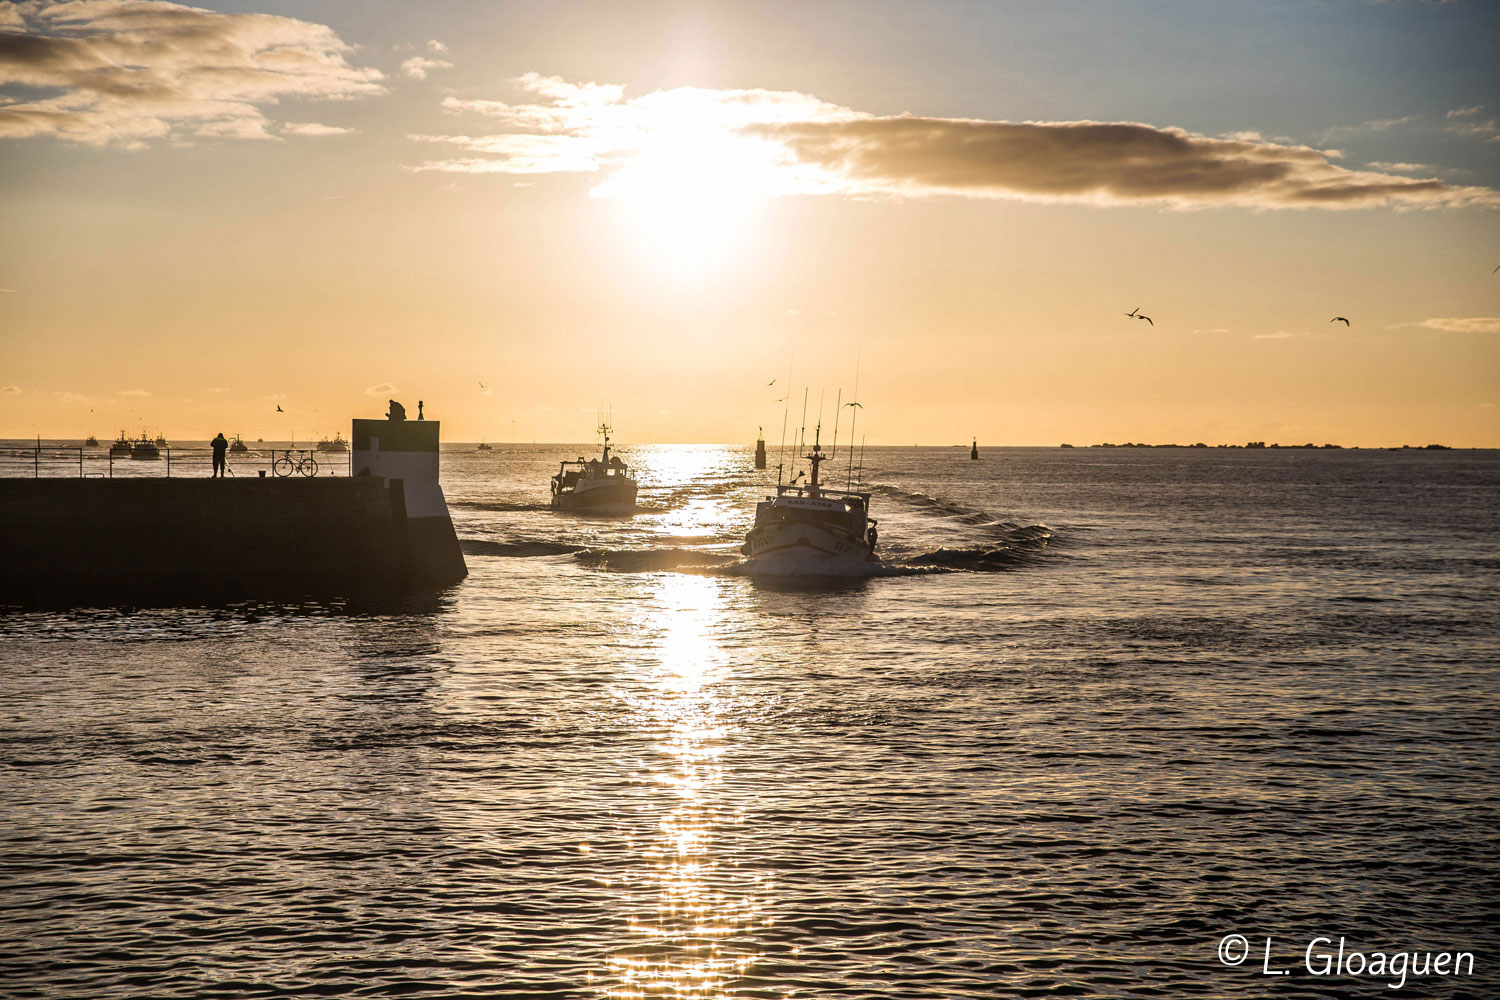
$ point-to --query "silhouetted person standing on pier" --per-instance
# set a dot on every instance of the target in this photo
(398, 412)
(220, 445)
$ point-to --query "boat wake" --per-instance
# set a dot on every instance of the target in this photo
(520, 549)
(944, 508)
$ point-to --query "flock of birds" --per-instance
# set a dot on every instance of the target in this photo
(1137, 314)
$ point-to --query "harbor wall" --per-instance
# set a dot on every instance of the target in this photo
(209, 539)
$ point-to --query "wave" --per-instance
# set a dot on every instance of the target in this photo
(523, 549)
(498, 505)
(943, 508)
(653, 560)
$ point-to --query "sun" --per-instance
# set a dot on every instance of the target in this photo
(689, 201)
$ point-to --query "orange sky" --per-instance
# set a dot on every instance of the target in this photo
(664, 223)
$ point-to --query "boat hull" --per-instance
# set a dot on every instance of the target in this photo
(604, 498)
(805, 550)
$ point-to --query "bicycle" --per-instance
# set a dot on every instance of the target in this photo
(285, 466)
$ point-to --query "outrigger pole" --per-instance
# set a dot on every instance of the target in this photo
(852, 421)
(787, 409)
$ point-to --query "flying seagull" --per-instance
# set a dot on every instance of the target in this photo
(1339, 319)
(1144, 317)
(1132, 313)
(279, 409)
(481, 385)
(860, 405)
(1496, 268)
(771, 383)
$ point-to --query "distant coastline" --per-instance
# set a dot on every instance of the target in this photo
(1283, 447)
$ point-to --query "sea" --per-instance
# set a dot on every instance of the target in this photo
(1103, 722)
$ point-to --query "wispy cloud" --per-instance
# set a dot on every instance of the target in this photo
(1459, 324)
(380, 389)
(9, 390)
(315, 129)
(133, 392)
(1338, 132)
(129, 71)
(1278, 335)
(417, 67)
(68, 398)
(774, 143)
(1472, 123)
(1217, 329)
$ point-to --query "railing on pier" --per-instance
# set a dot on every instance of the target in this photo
(99, 463)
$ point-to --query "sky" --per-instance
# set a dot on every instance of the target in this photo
(524, 212)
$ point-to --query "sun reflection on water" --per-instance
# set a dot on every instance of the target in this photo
(695, 943)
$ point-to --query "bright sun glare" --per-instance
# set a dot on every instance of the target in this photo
(691, 192)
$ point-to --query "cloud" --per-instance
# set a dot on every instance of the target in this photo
(1467, 122)
(9, 390)
(1403, 168)
(68, 398)
(132, 392)
(1217, 329)
(1278, 335)
(219, 388)
(416, 67)
(1471, 324)
(775, 143)
(276, 396)
(9, 291)
(1375, 125)
(381, 389)
(433, 45)
(315, 129)
(123, 72)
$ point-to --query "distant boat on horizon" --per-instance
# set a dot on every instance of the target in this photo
(91, 442)
(161, 441)
(337, 444)
(120, 448)
(145, 450)
(974, 451)
(237, 445)
(484, 447)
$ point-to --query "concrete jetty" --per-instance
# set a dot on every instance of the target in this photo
(385, 530)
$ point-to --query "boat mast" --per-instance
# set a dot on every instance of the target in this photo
(815, 458)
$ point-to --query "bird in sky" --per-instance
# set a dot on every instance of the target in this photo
(1144, 317)
(279, 409)
(1134, 311)
(481, 385)
(860, 405)
(771, 383)
(1339, 319)
(1496, 268)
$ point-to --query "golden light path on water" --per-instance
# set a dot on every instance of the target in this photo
(692, 946)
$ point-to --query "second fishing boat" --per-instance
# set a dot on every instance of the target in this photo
(598, 486)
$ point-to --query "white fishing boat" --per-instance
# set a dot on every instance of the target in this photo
(810, 530)
(598, 485)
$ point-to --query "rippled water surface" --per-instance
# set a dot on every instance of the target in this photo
(1099, 709)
